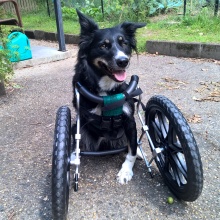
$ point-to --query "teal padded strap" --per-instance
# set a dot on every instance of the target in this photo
(108, 100)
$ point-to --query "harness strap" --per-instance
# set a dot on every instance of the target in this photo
(142, 104)
(119, 103)
(109, 127)
(115, 102)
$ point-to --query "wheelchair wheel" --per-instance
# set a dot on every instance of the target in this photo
(179, 163)
(60, 164)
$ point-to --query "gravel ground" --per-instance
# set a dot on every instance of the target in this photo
(27, 116)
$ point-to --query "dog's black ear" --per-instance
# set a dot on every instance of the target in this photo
(130, 29)
(88, 26)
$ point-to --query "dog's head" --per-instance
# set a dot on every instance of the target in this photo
(107, 51)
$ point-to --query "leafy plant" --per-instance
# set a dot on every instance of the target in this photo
(6, 70)
(89, 8)
(118, 10)
(69, 13)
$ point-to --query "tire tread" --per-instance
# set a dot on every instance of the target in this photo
(195, 178)
(60, 163)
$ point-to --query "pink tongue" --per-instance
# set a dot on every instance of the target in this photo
(120, 76)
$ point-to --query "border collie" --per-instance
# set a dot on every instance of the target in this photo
(103, 57)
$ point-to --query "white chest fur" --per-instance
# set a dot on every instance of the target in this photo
(107, 84)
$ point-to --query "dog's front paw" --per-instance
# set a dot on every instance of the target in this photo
(124, 175)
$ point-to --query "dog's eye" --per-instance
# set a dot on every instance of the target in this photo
(104, 46)
(122, 42)
(120, 38)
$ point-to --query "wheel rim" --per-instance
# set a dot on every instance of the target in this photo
(67, 180)
(171, 162)
(67, 189)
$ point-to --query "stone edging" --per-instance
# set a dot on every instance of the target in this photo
(169, 48)
(178, 49)
(50, 36)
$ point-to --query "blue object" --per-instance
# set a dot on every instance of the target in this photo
(19, 47)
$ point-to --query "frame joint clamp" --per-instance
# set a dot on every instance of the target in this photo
(78, 136)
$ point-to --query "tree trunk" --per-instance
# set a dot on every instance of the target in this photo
(2, 87)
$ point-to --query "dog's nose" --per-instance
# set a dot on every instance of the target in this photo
(122, 62)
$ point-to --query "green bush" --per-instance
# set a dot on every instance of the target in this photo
(90, 9)
(6, 69)
(118, 10)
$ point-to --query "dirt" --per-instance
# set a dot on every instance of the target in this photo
(27, 116)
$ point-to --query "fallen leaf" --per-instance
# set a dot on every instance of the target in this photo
(195, 119)
(215, 93)
(209, 91)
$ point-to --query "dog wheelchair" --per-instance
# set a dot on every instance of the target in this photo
(170, 138)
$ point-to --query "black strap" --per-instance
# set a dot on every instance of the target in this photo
(142, 104)
(102, 122)
(109, 127)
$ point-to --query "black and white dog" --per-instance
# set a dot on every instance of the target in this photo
(103, 57)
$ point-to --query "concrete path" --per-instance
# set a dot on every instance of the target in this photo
(27, 116)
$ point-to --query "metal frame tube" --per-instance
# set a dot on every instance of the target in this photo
(77, 135)
(59, 22)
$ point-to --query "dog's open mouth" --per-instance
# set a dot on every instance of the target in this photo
(117, 75)
(120, 75)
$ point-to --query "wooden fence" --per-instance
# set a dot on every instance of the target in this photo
(24, 5)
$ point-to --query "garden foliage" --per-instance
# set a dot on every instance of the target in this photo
(118, 10)
(6, 69)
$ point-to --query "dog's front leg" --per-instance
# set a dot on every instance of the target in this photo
(126, 173)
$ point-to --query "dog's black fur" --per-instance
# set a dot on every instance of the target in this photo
(105, 53)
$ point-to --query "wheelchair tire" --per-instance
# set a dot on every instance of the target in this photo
(179, 163)
(60, 164)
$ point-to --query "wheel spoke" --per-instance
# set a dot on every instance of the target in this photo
(174, 172)
(170, 134)
(180, 164)
(157, 130)
(176, 148)
(177, 171)
(161, 160)
(164, 124)
(160, 125)
(173, 141)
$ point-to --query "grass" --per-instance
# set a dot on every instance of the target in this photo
(171, 27)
